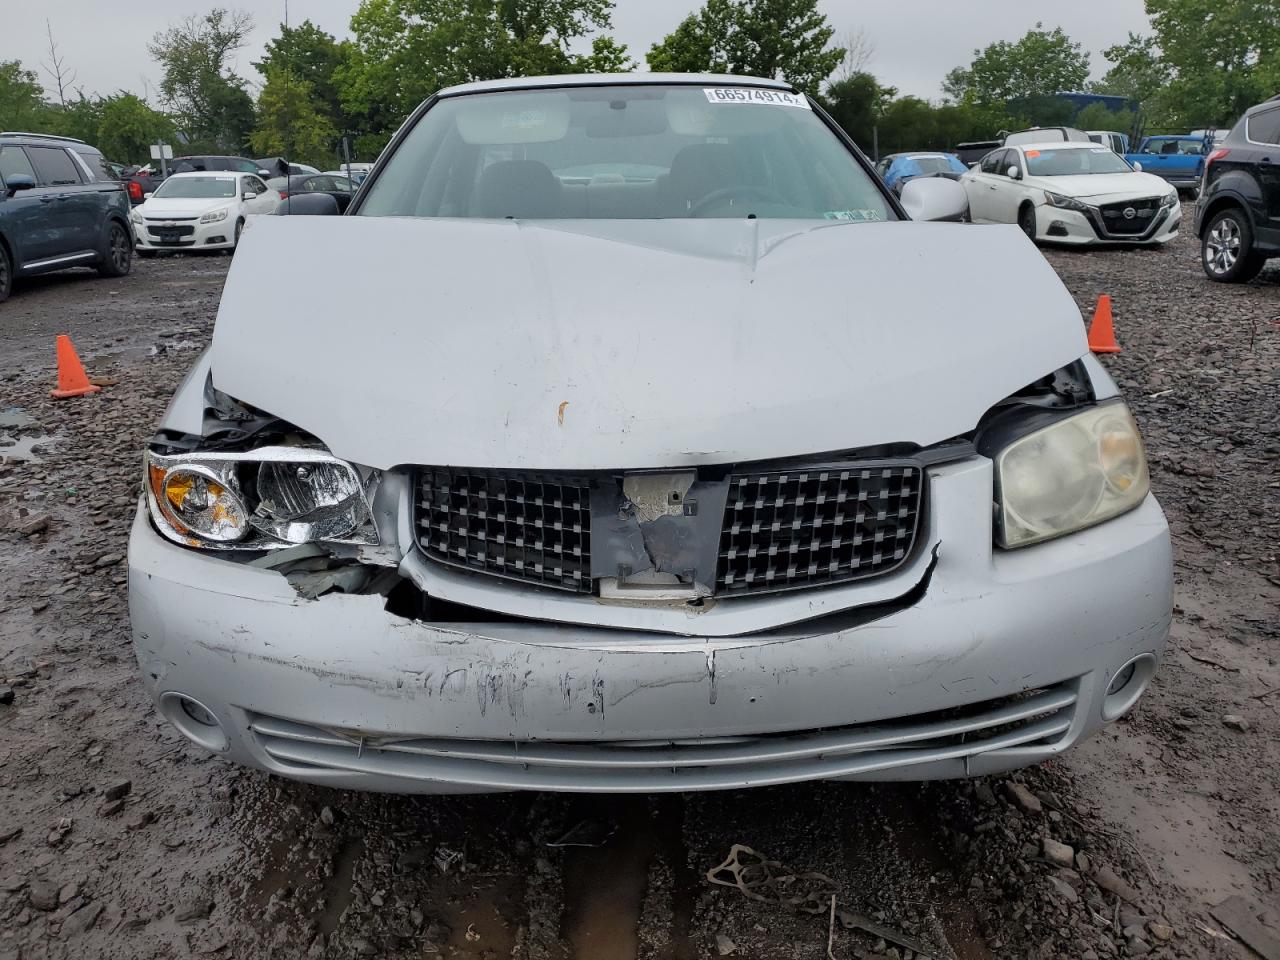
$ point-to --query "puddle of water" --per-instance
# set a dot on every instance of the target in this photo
(23, 449)
(604, 887)
(479, 923)
(338, 891)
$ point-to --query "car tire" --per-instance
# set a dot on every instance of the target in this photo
(1027, 221)
(235, 240)
(1226, 248)
(117, 251)
(6, 274)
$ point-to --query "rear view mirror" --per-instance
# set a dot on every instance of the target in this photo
(19, 181)
(934, 198)
(1014, 173)
(309, 205)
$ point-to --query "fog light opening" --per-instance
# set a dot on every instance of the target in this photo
(1126, 685)
(194, 721)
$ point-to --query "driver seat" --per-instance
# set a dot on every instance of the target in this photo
(696, 171)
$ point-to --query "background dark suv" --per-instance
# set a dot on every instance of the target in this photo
(60, 206)
(1238, 212)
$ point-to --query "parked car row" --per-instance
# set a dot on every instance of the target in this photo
(1062, 185)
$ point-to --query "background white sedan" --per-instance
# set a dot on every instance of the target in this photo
(205, 211)
(1073, 193)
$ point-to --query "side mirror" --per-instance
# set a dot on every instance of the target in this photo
(1014, 173)
(1137, 166)
(264, 173)
(147, 196)
(934, 198)
(248, 195)
(308, 205)
(19, 181)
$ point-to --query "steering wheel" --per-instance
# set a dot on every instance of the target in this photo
(737, 190)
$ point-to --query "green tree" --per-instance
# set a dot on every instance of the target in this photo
(404, 50)
(1042, 63)
(313, 57)
(1137, 70)
(1219, 56)
(292, 122)
(209, 102)
(128, 126)
(1098, 116)
(857, 103)
(784, 39)
(22, 105)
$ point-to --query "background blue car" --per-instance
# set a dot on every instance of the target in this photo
(897, 168)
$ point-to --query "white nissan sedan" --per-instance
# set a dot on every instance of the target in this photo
(643, 442)
(1072, 193)
(204, 211)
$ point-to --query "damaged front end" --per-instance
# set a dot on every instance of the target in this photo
(261, 491)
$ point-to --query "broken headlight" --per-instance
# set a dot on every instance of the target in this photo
(1071, 474)
(260, 499)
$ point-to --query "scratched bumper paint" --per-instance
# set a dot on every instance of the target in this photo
(240, 641)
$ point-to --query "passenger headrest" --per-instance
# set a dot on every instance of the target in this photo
(523, 189)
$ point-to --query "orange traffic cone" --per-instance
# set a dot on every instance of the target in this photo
(1102, 336)
(72, 380)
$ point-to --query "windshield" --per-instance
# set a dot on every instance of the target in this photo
(625, 153)
(932, 165)
(1073, 163)
(201, 188)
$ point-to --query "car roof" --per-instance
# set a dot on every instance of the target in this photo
(612, 79)
(216, 174)
(1054, 145)
(19, 134)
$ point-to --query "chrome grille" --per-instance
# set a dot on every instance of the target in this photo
(798, 528)
(526, 526)
(1144, 214)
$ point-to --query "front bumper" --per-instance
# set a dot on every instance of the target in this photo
(1059, 225)
(994, 661)
(205, 236)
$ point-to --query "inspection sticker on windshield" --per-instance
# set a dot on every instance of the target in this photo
(778, 98)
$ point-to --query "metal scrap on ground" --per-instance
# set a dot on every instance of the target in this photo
(760, 878)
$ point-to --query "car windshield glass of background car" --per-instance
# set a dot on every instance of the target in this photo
(197, 188)
(625, 152)
(1074, 162)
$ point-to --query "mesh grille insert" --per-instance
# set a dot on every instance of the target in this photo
(1144, 213)
(799, 528)
(526, 526)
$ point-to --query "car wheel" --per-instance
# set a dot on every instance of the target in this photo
(1027, 221)
(1226, 249)
(235, 240)
(117, 255)
(6, 275)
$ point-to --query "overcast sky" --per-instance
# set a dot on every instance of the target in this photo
(915, 44)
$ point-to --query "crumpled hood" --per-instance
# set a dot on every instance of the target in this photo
(1106, 187)
(632, 344)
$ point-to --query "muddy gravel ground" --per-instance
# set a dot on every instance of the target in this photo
(119, 840)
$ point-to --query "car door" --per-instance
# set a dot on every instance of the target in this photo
(264, 201)
(66, 209)
(1263, 129)
(1009, 192)
(979, 184)
(28, 214)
